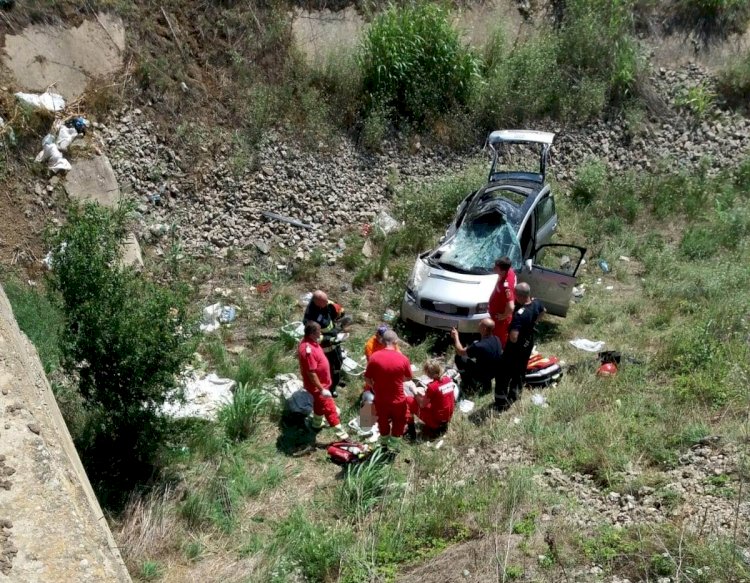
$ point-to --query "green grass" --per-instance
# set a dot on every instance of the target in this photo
(39, 319)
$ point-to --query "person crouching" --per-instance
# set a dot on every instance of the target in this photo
(435, 407)
(316, 377)
(385, 374)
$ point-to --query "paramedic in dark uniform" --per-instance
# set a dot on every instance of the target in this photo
(518, 348)
(479, 362)
(327, 314)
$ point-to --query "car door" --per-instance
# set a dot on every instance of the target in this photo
(546, 220)
(553, 279)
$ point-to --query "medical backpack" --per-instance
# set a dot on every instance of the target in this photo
(542, 371)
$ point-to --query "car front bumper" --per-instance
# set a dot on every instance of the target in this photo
(412, 312)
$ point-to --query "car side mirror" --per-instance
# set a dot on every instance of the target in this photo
(529, 264)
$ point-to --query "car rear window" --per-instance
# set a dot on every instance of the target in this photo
(511, 195)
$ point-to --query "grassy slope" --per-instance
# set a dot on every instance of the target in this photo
(253, 511)
(258, 510)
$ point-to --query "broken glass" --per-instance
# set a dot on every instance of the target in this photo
(478, 243)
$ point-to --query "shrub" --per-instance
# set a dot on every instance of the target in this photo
(733, 81)
(713, 17)
(412, 61)
(590, 184)
(124, 337)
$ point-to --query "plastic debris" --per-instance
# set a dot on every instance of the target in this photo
(203, 397)
(49, 101)
(624, 258)
(293, 330)
(65, 137)
(305, 298)
(604, 266)
(465, 406)
(52, 156)
(609, 287)
(578, 291)
(78, 123)
(215, 315)
(386, 223)
(588, 345)
(539, 400)
(389, 315)
(352, 367)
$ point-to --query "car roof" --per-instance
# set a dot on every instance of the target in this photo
(517, 198)
(522, 136)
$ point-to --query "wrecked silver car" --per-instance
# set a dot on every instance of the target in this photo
(513, 214)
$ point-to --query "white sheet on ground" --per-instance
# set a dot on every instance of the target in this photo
(204, 396)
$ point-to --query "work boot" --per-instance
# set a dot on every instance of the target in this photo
(340, 433)
(316, 423)
(411, 431)
(334, 392)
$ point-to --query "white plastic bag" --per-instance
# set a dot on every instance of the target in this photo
(53, 157)
(65, 137)
(49, 101)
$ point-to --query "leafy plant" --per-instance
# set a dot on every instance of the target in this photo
(412, 61)
(698, 100)
(124, 337)
(241, 416)
(364, 484)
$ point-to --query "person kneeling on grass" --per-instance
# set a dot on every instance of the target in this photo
(316, 377)
(435, 407)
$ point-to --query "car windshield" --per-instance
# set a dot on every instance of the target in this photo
(479, 242)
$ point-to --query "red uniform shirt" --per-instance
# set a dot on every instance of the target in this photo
(313, 359)
(388, 369)
(504, 292)
(440, 399)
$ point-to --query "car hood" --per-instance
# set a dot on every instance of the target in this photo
(460, 289)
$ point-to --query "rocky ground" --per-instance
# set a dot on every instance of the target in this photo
(213, 209)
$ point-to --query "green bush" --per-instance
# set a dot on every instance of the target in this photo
(413, 61)
(733, 81)
(591, 183)
(124, 338)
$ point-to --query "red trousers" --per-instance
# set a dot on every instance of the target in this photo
(425, 415)
(392, 417)
(326, 407)
(501, 330)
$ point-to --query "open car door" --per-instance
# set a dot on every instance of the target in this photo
(552, 275)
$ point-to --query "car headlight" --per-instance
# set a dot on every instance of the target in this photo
(482, 308)
(420, 271)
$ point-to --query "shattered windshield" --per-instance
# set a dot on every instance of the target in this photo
(479, 242)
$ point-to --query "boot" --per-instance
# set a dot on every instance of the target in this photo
(411, 431)
(340, 433)
(316, 423)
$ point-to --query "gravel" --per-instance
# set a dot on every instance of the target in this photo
(212, 209)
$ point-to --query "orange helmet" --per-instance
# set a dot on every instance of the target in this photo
(608, 369)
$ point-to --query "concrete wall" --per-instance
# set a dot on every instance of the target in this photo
(51, 526)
